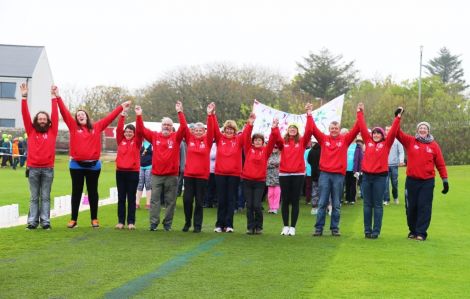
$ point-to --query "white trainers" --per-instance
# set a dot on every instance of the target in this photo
(285, 231)
(329, 212)
(397, 201)
(291, 231)
(385, 203)
(229, 230)
(275, 212)
(218, 230)
(313, 211)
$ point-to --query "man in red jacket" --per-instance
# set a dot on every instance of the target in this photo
(165, 165)
(42, 133)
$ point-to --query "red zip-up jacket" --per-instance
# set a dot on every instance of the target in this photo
(229, 152)
(166, 149)
(256, 158)
(198, 150)
(334, 150)
(422, 157)
(376, 154)
(292, 154)
(128, 151)
(41, 146)
(85, 145)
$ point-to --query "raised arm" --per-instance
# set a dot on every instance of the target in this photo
(54, 110)
(183, 124)
(351, 135)
(210, 125)
(246, 135)
(394, 129)
(272, 137)
(120, 128)
(108, 119)
(362, 123)
(308, 126)
(139, 125)
(217, 134)
(28, 125)
(66, 115)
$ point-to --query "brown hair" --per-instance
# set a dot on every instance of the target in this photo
(257, 135)
(296, 137)
(89, 124)
(36, 124)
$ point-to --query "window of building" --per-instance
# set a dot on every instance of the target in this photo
(7, 122)
(7, 90)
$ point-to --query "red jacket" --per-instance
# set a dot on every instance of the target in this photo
(85, 144)
(256, 159)
(292, 154)
(128, 151)
(422, 157)
(376, 154)
(41, 146)
(334, 150)
(198, 150)
(229, 152)
(166, 149)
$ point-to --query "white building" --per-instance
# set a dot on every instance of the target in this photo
(20, 64)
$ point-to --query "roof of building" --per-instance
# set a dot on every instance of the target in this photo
(19, 61)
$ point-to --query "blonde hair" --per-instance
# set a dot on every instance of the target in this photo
(230, 123)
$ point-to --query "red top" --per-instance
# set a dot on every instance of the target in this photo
(41, 146)
(166, 149)
(229, 152)
(422, 157)
(256, 158)
(292, 154)
(376, 153)
(84, 144)
(128, 151)
(334, 150)
(198, 150)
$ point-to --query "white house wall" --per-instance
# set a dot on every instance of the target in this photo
(40, 86)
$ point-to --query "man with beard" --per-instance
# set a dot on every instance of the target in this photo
(42, 133)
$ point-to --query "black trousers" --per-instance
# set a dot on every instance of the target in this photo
(253, 191)
(226, 186)
(78, 178)
(210, 199)
(194, 191)
(419, 195)
(126, 182)
(291, 186)
(350, 183)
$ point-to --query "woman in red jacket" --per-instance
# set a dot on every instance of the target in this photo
(127, 170)
(254, 173)
(85, 150)
(423, 155)
(196, 171)
(292, 170)
(228, 168)
(375, 170)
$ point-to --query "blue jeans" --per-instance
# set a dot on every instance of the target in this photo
(393, 177)
(373, 189)
(329, 184)
(40, 182)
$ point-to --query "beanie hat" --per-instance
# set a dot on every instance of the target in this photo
(424, 123)
(379, 130)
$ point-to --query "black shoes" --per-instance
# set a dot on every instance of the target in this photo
(185, 228)
(31, 227)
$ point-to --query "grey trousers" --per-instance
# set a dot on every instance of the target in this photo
(167, 185)
(40, 182)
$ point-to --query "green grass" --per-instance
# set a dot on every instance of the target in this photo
(87, 263)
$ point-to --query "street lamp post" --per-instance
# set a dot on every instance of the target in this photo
(419, 80)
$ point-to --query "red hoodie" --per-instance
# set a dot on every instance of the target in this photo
(292, 154)
(166, 149)
(334, 150)
(85, 145)
(198, 150)
(422, 157)
(128, 151)
(41, 146)
(256, 158)
(229, 152)
(376, 154)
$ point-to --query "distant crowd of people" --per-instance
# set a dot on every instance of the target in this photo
(13, 151)
(234, 170)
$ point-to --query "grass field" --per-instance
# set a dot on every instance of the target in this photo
(87, 263)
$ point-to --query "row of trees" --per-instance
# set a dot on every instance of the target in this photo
(321, 78)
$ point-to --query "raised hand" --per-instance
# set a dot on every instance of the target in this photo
(252, 118)
(179, 106)
(399, 111)
(360, 107)
(138, 110)
(275, 122)
(24, 90)
(126, 105)
(54, 91)
(309, 108)
(211, 108)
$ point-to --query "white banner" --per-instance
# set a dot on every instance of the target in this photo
(322, 116)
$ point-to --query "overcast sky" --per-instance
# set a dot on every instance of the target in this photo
(133, 43)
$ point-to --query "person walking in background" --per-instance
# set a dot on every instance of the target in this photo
(210, 200)
(254, 172)
(42, 132)
(313, 160)
(127, 170)
(15, 151)
(196, 172)
(292, 170)
(396, 158)
(165, 165)
(424, 154)
(23, 150)
(375, 171)
(145, 174)
(7, 152)
(308, 176)
(355, 155)
(272, 181)
(85, 151)
(333, 163)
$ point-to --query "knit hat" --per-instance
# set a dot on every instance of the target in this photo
(424, 123)
(379, 130)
